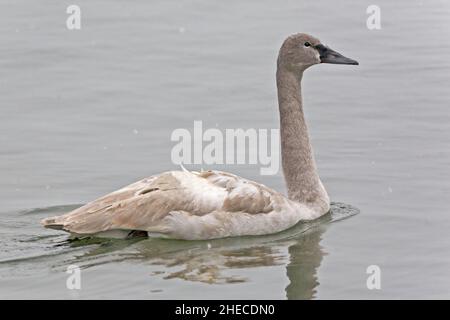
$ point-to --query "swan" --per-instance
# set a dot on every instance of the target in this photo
(214, 204)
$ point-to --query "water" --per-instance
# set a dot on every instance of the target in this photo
(86, 112)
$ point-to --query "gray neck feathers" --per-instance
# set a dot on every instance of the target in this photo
(299, 167)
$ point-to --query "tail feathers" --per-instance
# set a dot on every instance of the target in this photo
(52, 223)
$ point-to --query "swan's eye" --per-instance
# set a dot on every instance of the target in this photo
(307, 44)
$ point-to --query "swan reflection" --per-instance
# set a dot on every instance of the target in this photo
(220, 261)
(216, 262)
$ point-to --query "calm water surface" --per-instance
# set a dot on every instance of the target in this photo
(86, 112)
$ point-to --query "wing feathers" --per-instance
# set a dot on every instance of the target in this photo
(156, 204)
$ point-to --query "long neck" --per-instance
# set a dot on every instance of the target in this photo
(299, 167)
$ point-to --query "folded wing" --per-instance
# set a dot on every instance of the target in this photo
(186, 205)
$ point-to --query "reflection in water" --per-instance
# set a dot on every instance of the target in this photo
(218, 261)
(214, 261)
(305, 258)
(210, 266)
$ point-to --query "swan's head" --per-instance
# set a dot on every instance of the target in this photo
(300, 51)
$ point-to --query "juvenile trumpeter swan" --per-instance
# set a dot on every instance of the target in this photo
(215, 204)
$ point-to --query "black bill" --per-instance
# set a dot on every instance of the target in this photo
(328, 55)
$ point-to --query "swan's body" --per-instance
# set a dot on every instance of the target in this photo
(213, 204)
(188, 205)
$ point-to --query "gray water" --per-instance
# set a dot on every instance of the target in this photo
(86, 112)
